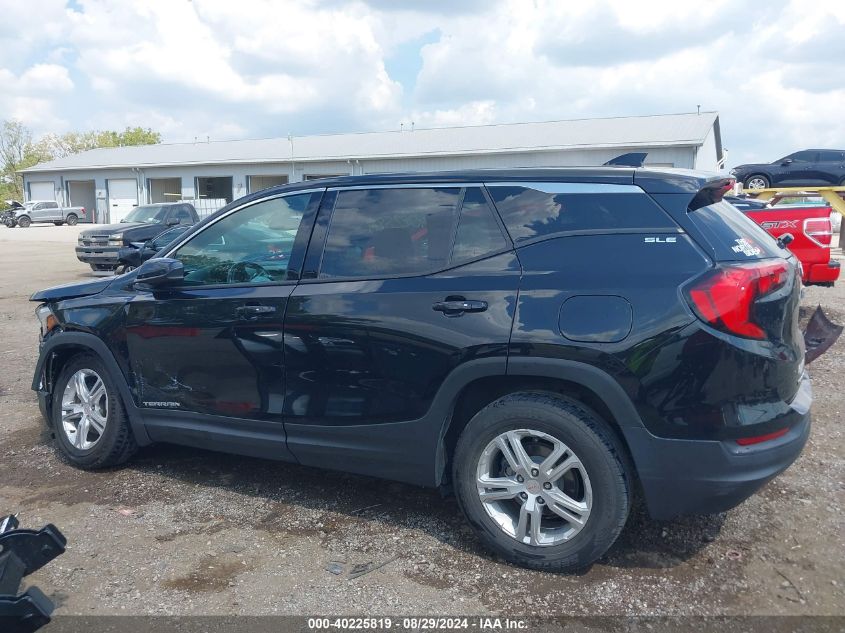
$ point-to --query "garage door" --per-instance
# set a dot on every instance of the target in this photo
(42, 191)
(123, 197)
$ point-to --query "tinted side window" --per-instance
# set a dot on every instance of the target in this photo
(530, 212)
(382, 232)
(51, 205)
(478, 232)
(181, 213)
(831, 157)
(252, 245)
(804, 157)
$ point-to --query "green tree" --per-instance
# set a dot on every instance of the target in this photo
(18, 150)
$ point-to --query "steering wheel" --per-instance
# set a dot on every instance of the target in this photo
(233, 275)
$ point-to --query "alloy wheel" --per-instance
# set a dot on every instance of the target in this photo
(757, 183)
(85, 409)
(534, 487)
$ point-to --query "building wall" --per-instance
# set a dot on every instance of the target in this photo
(685, 157)
(706, 156)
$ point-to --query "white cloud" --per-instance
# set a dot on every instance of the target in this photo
(261, 67)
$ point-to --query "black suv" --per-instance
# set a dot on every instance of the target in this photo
(100, 247)
(548, 344)
(807, 168)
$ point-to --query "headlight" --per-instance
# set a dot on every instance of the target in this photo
(116, 238)
(47, 319)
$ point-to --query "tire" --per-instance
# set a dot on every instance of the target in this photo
(24, 222)
(756, 181)
(599, 483)
(71, 219)
(108, 440)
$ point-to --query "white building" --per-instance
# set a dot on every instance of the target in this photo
(113, 180)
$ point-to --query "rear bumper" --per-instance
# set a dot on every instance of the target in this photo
(823, 273)
(105, 255)
(682, 477)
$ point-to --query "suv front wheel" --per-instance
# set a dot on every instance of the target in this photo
(541, 480)
(89, 420)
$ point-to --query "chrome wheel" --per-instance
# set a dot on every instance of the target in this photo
(756, 183)
(534, 487)
(85, 409)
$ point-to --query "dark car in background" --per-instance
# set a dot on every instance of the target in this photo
(549, 344)
(100, 247)
(130, 257)
(807, 168)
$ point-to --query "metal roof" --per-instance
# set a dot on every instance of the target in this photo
(629, 132)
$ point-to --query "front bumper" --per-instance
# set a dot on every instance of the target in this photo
(823, 273)
(104, 255)
(681, 477)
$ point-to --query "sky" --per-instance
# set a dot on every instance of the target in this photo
(224, 69)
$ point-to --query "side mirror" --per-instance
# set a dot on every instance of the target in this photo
(785, 162)
(172, 222)
(130, 256)
(163, 271)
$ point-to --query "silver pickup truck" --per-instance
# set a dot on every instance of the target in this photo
(45, 211)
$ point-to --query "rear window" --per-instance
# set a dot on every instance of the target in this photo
(539, 210)
(733, 235)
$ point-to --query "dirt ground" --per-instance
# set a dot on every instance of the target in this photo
(183, 531)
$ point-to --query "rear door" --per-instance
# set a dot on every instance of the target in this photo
(50, 212)
(831, 167)
(401, 286)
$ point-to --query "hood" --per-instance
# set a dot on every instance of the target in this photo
(69, 291)
(108, 229)
(752, 166)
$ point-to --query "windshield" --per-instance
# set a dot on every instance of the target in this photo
(145, 214)
(28, 205)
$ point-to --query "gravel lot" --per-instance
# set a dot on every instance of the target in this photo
(184, 531)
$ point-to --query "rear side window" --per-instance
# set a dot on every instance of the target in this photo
(478, 231)
(533, 211)
(383, 232)
(831, 157)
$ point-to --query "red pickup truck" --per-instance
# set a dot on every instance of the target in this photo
(811, 228)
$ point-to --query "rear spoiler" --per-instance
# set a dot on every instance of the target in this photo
(713, 191)
(632, 159)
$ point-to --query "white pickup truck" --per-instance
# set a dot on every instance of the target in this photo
(45, 211)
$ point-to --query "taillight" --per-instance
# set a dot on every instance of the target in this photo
(819, 230)
(725, 296)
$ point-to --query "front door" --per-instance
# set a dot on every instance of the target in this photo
(212, 349)
(412, 284)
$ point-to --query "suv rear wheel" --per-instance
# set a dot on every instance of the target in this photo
(541, 480)
(89, 419)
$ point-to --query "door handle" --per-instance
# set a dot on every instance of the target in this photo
(456, 307)
(252, 311)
